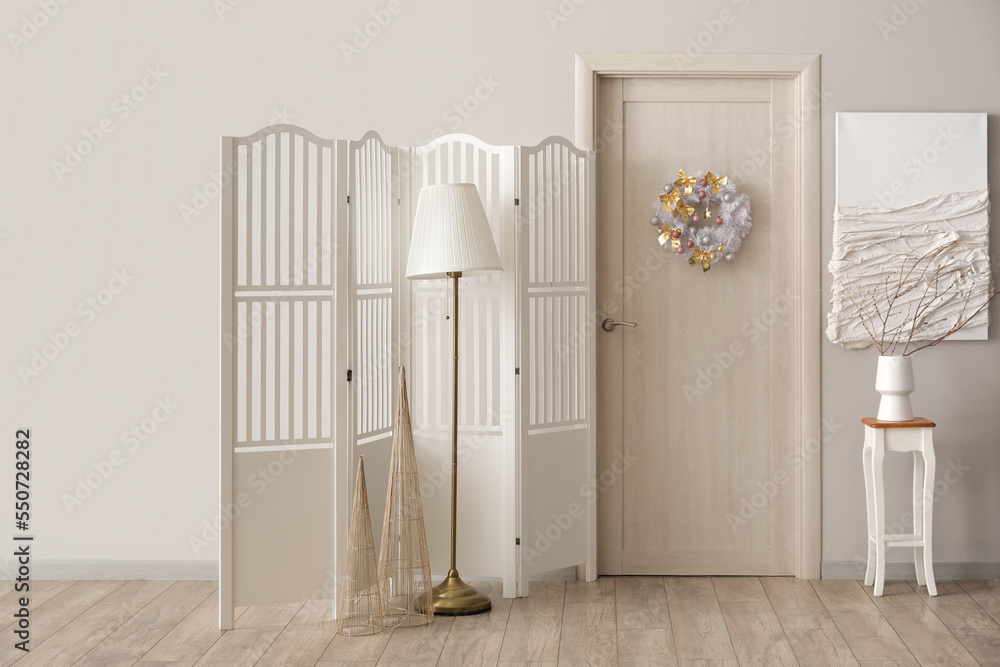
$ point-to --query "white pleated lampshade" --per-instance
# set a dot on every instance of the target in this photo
(451, 233)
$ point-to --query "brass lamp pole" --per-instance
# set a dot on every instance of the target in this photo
(451, 238)
(453, 596)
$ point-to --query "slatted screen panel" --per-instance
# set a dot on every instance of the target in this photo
(280, 332)
(457, 158)
(486, 368)
(374, 207)
(556, 303)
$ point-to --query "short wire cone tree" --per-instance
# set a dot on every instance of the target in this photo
(360, 602)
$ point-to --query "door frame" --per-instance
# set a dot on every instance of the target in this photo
(805, 71)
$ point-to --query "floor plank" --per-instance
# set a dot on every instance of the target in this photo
(820, 647)
(642, 604)
(474, 648)
(589, 636)
(926, 637)
(739, 589)
(984, 645)
(416, 646)
(986, 593)
(811, 632)
(496, 618)
(613, 622)
(357, 649)
(756, 635)
(38, 592)
(601, 590)
(646, 648)
(101, 619)
(956, 608)
(251, 636)
(192, 637)
(535, 624)
(867, 633)
(134, 638)
(696, 620)
(54, 614)
(305, 639)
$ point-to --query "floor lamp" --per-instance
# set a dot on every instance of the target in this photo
(452, 238)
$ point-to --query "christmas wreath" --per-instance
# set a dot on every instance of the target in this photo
(703, 216)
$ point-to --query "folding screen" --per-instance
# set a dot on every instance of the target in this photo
(316, 320)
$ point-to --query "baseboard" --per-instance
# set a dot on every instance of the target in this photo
(188, 570)
(851, 569)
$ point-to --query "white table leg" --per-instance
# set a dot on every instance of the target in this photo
(918, 513)
(878, 484)
(928, 496)
(866, 457)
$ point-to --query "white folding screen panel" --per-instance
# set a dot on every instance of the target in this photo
(283, 326)
(487, 312)
(374, 310)
(556, 291)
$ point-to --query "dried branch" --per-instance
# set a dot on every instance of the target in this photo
(880, 309)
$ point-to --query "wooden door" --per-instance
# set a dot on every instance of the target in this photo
(697, 403)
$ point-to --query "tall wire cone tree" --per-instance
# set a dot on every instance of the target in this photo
(360, 602)
(404, 566)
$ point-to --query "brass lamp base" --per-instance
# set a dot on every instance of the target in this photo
(454, 597)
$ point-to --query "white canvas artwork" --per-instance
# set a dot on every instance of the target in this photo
(910, 183)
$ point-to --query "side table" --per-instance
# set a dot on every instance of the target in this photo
(911, 436)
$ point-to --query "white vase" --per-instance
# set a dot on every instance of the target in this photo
(894, 380)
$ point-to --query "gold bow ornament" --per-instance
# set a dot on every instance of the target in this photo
(715, 181)
(684, 181)
(697, 255)
(671, 199)
(667, 234)
(683, 210)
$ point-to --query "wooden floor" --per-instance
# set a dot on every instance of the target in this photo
(626, 621)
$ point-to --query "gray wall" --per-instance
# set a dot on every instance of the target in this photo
(229, 73)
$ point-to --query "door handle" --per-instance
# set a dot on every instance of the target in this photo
(609, 324)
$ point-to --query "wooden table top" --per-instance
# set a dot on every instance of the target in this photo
(918, 422)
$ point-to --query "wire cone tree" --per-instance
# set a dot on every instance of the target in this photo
(360, 602)
(404, 566)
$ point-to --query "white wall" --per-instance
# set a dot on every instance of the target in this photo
(231, 73)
